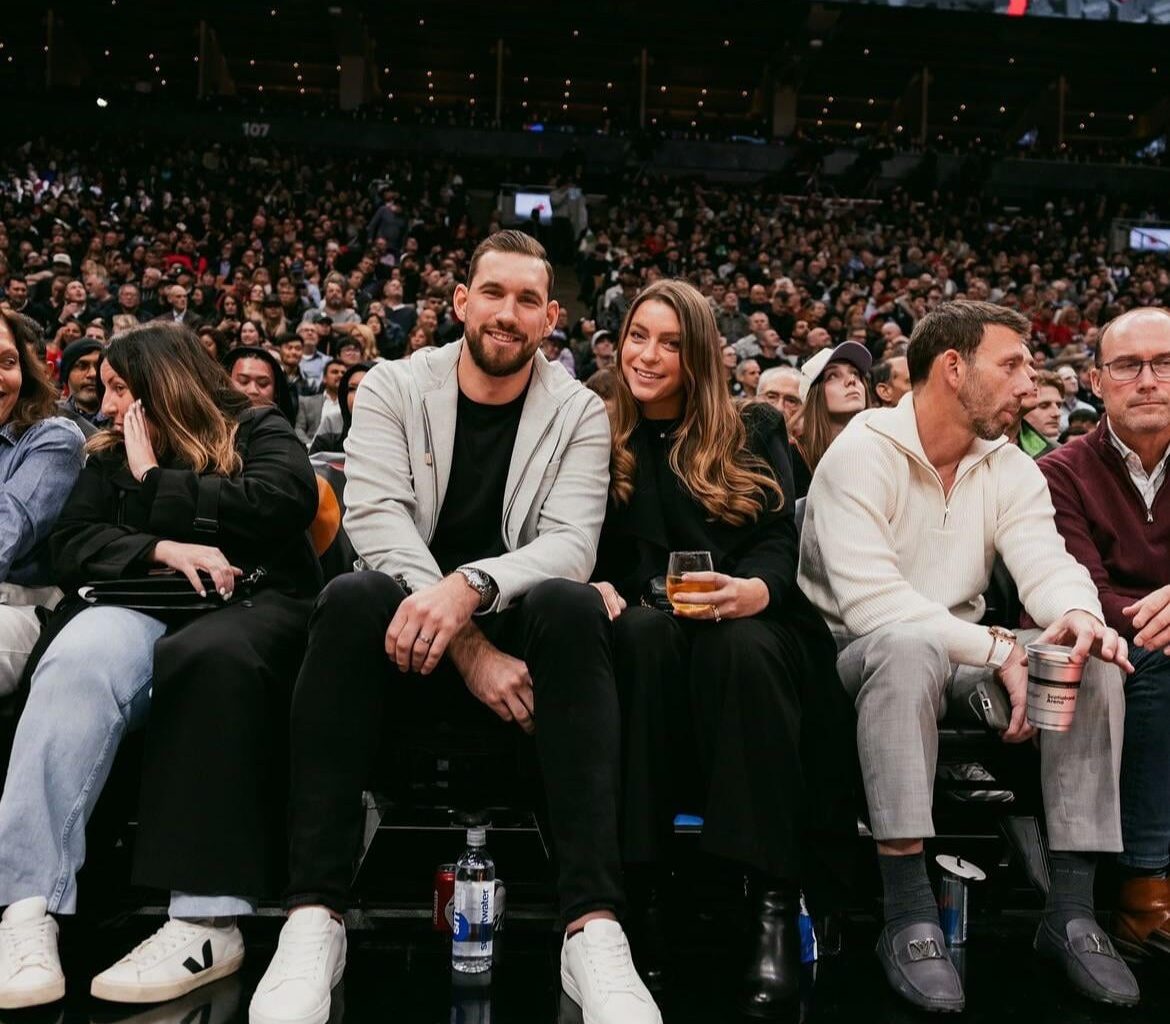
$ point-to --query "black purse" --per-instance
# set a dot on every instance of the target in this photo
(167, 592)
(654, 596)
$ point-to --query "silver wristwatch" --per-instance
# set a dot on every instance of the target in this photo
(481, 583)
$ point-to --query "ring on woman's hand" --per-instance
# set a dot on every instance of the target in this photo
(426, 639)
(715, 609)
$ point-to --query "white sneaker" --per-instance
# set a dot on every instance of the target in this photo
(598, 974)
(309, 962)
(30, 969)
(180, 957)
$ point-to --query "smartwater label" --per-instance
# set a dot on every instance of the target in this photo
(475, 912)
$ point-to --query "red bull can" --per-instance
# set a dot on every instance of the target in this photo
(952, 896)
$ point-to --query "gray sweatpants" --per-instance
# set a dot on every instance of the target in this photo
(899, 678)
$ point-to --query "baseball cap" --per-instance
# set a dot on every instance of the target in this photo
(602, 336)
(846, 352)
(62, 259)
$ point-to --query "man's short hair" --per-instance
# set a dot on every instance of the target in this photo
(1049, 379)
(288, 336)
(516, 243)
(880, 373)
(777, 373)
(1084, 416)
(957, 325)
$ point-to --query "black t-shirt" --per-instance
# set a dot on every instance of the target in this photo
(470, 525)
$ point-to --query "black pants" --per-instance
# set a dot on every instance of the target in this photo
(214, 768)
(716, 719)
(348, 688)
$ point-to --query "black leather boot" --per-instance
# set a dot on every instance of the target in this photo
(645, 925)
(772, 981)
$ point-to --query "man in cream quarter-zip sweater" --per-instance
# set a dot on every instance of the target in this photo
(905, 517)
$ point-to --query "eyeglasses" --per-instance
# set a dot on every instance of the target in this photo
(1127, 369)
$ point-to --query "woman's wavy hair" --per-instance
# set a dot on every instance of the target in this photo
(709, 452)
(187, 397)
(37, 399)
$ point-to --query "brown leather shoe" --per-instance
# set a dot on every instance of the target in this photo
(1141, 924)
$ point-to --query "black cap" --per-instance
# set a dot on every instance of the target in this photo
(73, 352)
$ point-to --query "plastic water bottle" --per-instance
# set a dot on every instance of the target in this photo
(475, 909)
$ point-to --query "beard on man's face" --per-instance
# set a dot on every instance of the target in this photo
(496, 360)
(979, 404)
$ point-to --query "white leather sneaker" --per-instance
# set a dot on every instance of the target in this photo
(309, 962)
(30, 969)
(597, 973)
(177, 959)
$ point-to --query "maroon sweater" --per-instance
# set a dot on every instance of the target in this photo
(1104, 522)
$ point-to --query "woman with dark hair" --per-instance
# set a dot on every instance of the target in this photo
(188, 479)
(346, 393)
(214, 342)
(726, 706)
(252, 333)
(257, 374)
(833, 390)
(40, 457)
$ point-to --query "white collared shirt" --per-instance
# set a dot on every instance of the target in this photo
(1147, 484)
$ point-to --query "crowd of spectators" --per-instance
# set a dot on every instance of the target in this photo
(299, 276)
(350, 260)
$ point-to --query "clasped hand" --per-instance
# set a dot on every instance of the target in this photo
(436, 621)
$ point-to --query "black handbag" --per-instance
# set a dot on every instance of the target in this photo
(654, 596)
(167, 591)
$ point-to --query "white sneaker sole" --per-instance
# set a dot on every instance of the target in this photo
(318, 1015)
(118, 992)
(574, 993)
(42, 996)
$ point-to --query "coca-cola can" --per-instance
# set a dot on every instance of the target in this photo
(443, 899)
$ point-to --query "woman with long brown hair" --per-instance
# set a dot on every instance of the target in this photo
(189, 480)
(833, 389)
(40, 457)
(720, 693)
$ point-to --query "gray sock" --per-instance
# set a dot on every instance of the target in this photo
(1071, 895)
(907, 897)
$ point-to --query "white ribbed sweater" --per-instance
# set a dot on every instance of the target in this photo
(882, 544)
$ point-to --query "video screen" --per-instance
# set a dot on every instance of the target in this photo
(1135, 12)
(1150, 239)
(526, 202)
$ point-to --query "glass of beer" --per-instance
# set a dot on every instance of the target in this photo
(684, 562)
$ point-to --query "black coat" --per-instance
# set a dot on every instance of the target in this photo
(635, 545)
(111, 522)
(215, 761)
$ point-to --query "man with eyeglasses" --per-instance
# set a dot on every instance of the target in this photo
(1114, 512)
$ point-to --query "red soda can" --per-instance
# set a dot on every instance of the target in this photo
(443, 899)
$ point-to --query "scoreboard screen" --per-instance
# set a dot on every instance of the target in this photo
(1137, 12)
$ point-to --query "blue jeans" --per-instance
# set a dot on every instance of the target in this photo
(1145, 762)
(91, 688)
